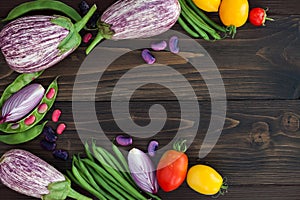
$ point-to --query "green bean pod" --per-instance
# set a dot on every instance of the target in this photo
(198, 21)
(20, 126)
(22, 137)
(112, 161)
(43, 5)
(84, 184)
(187, 28)
(121, 157)
(107, 177)
(92, 180)
(21, 81)
(118, 193)
(117, 176)
(72, 177)
(112, 175)
(205, 18)
(85, 173)
(88, 152)
(194, 25)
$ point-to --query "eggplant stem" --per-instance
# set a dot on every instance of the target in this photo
(76, 195)
(97, 39)
(81, 24)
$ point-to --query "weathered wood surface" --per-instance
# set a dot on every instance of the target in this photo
(245, 64)
(259, 149)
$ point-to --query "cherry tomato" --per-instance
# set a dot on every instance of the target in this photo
(258, 16)
(205, 180)
(172, 169)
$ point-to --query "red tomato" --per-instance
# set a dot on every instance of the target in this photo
(171, 170)
(258, 16)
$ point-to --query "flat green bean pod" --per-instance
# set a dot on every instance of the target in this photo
(20, 126)
(43, 5)
(21, 81)
(22, 137)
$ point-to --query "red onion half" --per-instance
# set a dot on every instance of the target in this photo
(142, 170)
(21, 103)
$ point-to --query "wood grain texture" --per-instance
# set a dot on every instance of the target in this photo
(253, 66)
(259, 148)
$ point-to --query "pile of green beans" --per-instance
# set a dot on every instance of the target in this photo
(195, 22)
(105, 175)
(24, 133)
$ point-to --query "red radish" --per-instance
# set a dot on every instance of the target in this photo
(55, 115)
(258, 16)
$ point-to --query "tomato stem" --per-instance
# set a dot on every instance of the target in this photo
(270, 19)
(180, 145)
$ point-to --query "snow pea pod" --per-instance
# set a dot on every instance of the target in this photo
(22, 137)
(43, 5)
(35, 116)
(21, 81)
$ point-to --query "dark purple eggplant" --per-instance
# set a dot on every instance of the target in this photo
(130, 19)
(34, 43)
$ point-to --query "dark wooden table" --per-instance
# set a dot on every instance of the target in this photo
(259, 149)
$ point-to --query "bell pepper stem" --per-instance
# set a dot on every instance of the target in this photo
(75, 195)
(97, 39)
(80, 25)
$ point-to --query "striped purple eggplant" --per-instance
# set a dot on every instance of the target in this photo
(34, 43)
(130, 19)
(27, 174)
